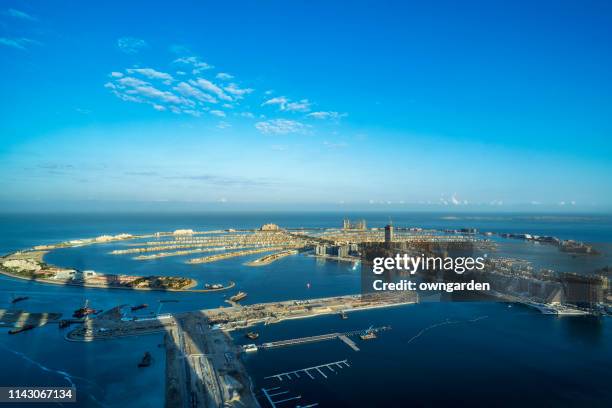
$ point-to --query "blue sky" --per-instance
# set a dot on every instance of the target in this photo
(369, 104)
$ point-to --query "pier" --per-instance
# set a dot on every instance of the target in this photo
(283, 396)
(323, 337)
(320, 369)
(348, 342)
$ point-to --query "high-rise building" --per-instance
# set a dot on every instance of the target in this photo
(388, 233)
(359, 225)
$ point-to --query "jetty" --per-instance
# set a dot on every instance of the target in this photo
(324, 337)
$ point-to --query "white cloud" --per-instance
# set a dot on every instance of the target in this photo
(218, 113)
(189, 91)
(326, 115)
(15, 43)
(281, 101)
(196, 64)
(19, 14)
(280, 127)
(136, 90)
(236, 91)
(18, 43)
(131, 81)
(186, 91)
(154, 93)
(301, 106)
(151, 73)
(285, 104)
(223, 125)
(131, 45)
(208, 86)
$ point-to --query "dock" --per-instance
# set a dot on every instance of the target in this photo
(323, 337)
(284, 396)
(309, 371)
(348, 342)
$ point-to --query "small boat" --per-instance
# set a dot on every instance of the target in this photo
(249, 348)
(19, 299)
(144, 305)
(343, 315)
(85, 311)
(368, 336)
(238, 297)
(146, 360)
(20, 329)
(252, 335)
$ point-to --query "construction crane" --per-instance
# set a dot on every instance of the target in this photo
(369, 334)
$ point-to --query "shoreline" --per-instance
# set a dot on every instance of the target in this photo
(230, 285)
(357, 309)
(38, 256)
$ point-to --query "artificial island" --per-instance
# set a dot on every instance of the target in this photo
(203, 362)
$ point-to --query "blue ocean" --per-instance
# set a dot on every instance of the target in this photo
(464, 354)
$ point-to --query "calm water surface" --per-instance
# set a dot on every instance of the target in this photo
(479, 354)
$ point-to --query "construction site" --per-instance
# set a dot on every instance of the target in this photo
(203, 364)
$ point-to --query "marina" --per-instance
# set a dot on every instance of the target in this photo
(309, 371)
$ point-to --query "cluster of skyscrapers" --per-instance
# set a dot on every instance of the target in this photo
(349, 225)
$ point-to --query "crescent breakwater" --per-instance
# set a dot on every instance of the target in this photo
(29, 265)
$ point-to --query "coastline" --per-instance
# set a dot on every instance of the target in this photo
(189, 289)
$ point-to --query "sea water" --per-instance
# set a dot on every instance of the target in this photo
(478, 354)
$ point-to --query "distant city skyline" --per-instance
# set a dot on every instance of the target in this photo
(354, 105)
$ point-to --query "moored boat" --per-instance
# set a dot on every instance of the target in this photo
(20, 329)
(238, 297)
(146, 360)
(19, 299)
